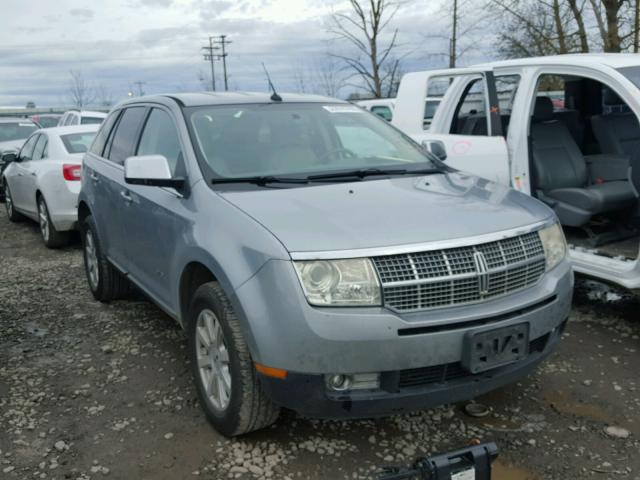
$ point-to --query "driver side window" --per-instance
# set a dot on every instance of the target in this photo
(26, 152)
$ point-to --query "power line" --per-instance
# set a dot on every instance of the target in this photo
(211, 57)
(218, 42)
(222, 42)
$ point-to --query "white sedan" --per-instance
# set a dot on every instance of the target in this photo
(42, 180)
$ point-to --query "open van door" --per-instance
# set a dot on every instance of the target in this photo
(467, 124)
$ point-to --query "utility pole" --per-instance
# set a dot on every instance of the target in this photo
(140, 84)
(222, 42)
(454, 36)
(211, 57)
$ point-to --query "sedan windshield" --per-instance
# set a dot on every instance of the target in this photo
(16, 131)
(302, 140)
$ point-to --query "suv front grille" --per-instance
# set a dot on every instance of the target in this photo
(440, 278)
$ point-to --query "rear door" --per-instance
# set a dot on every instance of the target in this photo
(103, 174)
(31, 172)
(467, 122)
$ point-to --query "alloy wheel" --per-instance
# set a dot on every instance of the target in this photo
(91, 259)
(8, 202)
(43, 216)
(213, 360)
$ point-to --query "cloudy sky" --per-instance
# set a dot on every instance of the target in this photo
(116, 43)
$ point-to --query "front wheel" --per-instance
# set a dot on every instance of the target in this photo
(51, 237)
(8, 205)
(105, 282)
(227, 384)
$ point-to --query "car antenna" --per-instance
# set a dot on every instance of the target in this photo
(275, 97)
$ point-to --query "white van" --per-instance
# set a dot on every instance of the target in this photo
(561, 128)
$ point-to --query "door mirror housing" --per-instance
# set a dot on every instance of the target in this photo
(150, 170)
(9, 157)
(436, 148)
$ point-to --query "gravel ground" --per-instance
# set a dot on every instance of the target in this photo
(104, 391)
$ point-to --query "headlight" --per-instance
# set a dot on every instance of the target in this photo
(350, 282)
(554, 244)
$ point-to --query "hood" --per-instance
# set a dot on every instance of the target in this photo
(11, 145)
(388, 212)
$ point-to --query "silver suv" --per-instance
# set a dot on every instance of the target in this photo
(317, 258)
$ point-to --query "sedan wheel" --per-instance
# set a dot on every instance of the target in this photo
(43, 217)
(50, 235)
(8, 204)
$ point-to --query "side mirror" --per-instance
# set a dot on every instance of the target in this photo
(435, 147)
(9, 157)
(150, 170)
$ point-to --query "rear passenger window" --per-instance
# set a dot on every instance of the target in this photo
(123, 143)
(160, 137)
(40, 148)
(97, 147)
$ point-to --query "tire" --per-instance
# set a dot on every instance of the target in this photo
(51, 237)
(12, 215)
(105, 281)
(248, 408)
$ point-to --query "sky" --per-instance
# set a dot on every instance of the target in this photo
(116, 43)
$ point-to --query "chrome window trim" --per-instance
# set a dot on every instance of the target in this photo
(422, 247)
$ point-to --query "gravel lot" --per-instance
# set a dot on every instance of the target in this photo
(104, 391)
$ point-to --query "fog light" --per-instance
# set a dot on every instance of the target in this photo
(338, 382)
(357, 381)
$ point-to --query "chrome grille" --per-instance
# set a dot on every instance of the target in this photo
(438, 278)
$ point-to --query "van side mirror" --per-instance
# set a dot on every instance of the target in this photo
(150, 170)
(435, 147)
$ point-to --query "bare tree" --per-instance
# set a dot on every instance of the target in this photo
(329, 77)
(363, 28)
(104, 95)
(80, 92)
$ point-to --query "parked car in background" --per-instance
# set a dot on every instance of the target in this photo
(281, 233)
(13, 133)
(564, 129)
(384, 108)
(46, 120)
(42, 180)
(81, 117)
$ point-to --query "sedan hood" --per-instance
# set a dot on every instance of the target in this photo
(387, 212)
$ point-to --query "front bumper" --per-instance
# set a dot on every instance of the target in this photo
(308, 395)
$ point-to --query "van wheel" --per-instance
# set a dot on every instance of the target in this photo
(105, 281)
(8, 205)
(227, 384)
(52, 238)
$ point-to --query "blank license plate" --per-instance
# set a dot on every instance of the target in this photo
(495, 348)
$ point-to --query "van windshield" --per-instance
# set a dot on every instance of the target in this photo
(632, 73)
(297, 139)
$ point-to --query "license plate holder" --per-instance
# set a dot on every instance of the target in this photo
(487, 349)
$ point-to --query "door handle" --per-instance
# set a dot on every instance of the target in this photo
(127, 198)
(33, 174)
(20, 174)
(93, 176)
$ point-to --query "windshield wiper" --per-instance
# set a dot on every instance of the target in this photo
(259, 180)
(368, 172)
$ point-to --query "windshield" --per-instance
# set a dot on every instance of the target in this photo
(16, 131)
(632, 73)
(297, 139)
(47, 122)
(91, 120)
(77, 142)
